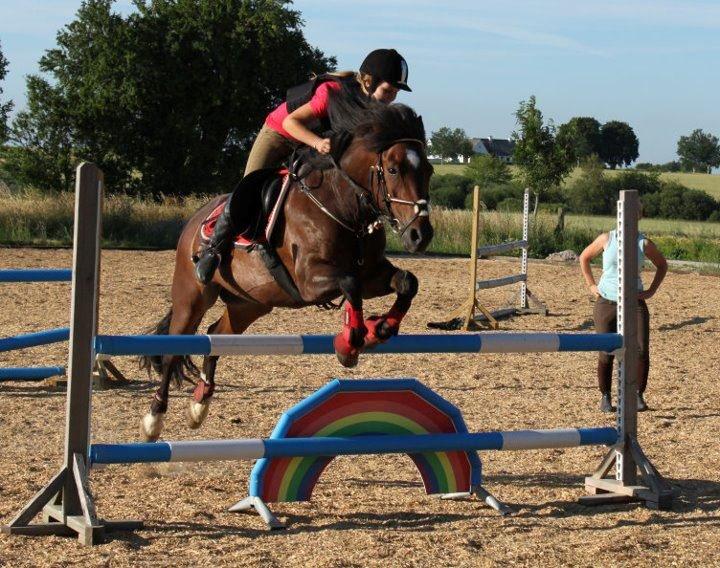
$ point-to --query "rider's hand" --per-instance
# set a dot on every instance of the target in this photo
(594, 291)
(323, 147)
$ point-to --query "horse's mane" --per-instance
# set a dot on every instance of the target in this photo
(352, 115)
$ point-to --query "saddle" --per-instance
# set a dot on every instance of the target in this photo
(255, 205)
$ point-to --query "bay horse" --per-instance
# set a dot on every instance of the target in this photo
(331, 240)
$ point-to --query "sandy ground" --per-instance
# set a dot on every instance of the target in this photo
(372, 511)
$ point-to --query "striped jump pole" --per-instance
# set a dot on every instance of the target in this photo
(68, 503)
(257, 448)
(220, 345)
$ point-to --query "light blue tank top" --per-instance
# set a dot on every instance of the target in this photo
(608, 286)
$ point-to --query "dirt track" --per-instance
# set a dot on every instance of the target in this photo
(372, 510)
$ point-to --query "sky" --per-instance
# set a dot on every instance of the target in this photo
(651, 63)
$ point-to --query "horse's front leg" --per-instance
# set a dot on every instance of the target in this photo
(350, 341)
(405, 284)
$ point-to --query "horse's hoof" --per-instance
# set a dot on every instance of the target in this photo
(348, 361)
(197, 413)
(346, 353)
(151, 426)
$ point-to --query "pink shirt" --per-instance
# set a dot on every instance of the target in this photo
(318, 104)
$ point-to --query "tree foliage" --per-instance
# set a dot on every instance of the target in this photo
(449, 143)
(542, 162)
(487, 170)
(167, 99)
(619, 144)
(581, 137)
(700, 150)
(6, 107)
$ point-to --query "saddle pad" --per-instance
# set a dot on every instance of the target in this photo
(207, 229)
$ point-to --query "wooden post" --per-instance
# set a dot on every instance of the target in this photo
(627, 455)
(66, 504)
(560, 222)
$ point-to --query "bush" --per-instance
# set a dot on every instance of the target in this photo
(590, 194)
(451, 180)
(645, 183)
(448, 196)
(492, 195)
(488, 170)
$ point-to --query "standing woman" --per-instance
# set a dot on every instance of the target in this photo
(605, 311)
(301, 120)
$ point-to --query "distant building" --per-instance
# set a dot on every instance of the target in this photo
(500, 148)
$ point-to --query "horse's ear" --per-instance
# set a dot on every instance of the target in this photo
(339, 143)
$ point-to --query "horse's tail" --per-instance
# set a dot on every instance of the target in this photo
(182, 369)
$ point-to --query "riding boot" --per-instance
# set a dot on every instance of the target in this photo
(209, 256)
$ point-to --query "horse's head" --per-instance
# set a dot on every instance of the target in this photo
(388, 151)
(402, 189)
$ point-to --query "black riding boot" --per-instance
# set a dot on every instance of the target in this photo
(210, 255)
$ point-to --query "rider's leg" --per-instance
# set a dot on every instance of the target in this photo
(269, 150)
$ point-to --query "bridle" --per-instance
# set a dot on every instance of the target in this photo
(378, 201)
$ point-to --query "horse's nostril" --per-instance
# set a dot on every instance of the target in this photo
(415, 236)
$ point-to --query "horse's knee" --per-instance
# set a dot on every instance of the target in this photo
(405, 283)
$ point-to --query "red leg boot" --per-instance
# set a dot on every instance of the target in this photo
(381, 328)
(350, 342)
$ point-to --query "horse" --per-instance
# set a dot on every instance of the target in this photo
(331, 240)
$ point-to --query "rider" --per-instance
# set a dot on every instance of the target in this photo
(381, 75)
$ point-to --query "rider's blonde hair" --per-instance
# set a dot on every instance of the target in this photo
(365, 80)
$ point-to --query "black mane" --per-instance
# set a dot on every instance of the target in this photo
(352, 115)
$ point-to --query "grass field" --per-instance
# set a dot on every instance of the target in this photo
(32, 218)
(709, 183)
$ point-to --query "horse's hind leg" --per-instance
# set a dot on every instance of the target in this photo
(186, 315)
(236, 318)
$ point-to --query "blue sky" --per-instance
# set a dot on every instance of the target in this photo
(650, 63)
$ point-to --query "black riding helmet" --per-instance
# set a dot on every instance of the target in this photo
(386, 65)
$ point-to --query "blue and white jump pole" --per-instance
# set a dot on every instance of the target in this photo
(66, 498)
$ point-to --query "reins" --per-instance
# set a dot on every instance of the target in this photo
(367, 198)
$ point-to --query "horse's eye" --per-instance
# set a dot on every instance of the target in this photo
(393, 171)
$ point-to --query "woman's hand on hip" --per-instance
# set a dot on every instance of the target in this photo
(594, 291)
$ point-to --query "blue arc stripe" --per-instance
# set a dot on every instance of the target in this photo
(336, 446)
(323, 344)
(36, 275)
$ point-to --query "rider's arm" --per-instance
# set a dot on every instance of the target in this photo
(591, 251)
(294, 124)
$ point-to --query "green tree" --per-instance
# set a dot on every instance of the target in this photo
(590, 193)
(43, 151)
(542, 162)
(168, 99)
(449, 143)
(619, 144)
(700, 150)
(488, 170)
(580, 136)
(5, 108)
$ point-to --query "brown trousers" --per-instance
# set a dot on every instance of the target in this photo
(269, 150)
(605, 314)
